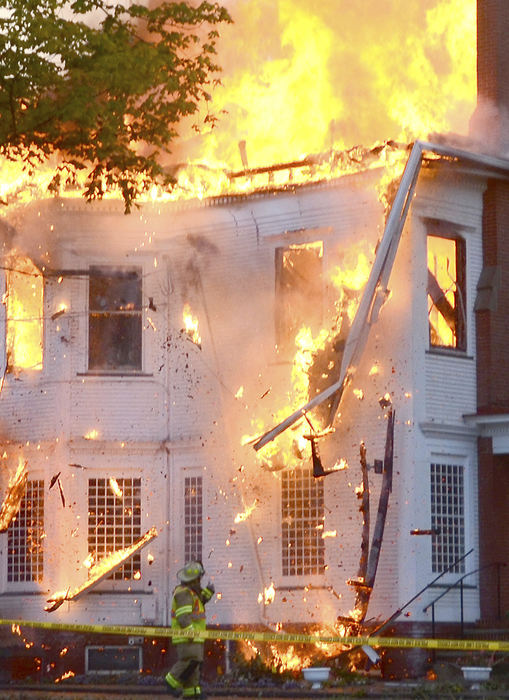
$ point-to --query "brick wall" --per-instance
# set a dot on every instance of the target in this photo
(492, 326)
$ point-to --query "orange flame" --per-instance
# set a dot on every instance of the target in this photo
(242, 517)
(191, 325)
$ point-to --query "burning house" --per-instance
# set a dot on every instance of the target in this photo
(294, 382)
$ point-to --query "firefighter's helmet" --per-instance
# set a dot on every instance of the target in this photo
(191, 571)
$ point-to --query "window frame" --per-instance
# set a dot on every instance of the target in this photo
(136, 367)
(302, 568)
(449, 232)
(284, 336)
(447, 540)
(193, 518)
(134, 563)
(28, 584)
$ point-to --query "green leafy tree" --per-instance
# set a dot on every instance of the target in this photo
(103, 85)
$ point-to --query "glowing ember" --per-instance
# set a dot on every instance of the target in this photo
(92, 434)
(115, 488)
(105, 567)
(268, 595)
(191, 325)
(329, 533)
(359, 394)
(15, 493)
(67, 674)
(89, 561)
(242, 517)
(240, 393)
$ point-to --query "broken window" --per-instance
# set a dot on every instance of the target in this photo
(114, 521)
(303, 513)
(193, 518)
(25, 536)
(446, 292)
(115, 319)
(299, 292)
(447, 518)
(24, 310)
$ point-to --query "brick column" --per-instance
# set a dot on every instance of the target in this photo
(491, 124)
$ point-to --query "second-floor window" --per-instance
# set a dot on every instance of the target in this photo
(446, 292)
(24, 310)
(115, 319)
(299, 292)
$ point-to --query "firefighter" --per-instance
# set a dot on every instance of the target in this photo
(188, 612)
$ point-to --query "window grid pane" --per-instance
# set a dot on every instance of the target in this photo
(25, 535)
(303, 513)
(114, 521)
(193, 517)
(115, 319)
(447, 517)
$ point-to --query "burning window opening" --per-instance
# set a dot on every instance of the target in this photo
(190, 327)
(113, 522)
(115, 319)
(24, 309)
(25, 536)
(373, 295)
(446, 290)
(105, 568)
(302, 510)
(15, 493)
(299, 292)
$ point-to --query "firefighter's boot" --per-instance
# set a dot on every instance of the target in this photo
(173, 686)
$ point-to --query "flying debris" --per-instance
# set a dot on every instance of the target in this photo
(54, 480)
(15, 493)
(105, 567)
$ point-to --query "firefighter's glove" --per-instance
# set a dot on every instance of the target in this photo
(207, 592)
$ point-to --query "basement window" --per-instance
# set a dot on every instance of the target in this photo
(115, 319)
(24, 310)
(25, 537)
(303, 514)
(299, 292)
(193, 518)
(447, 517)
(446, 292)
(114, 521)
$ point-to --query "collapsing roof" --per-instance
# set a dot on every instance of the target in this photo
(375, 291)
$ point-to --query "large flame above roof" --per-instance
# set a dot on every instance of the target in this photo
(302, 77)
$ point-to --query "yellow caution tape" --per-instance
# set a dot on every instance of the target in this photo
(400, 642)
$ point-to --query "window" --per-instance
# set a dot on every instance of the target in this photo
(25, 536)
(24, 308)
(193, 515)
(446, 292)
(299, 292)
(115, 319)
(302, 520)
(447, 517)
(114, 520)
